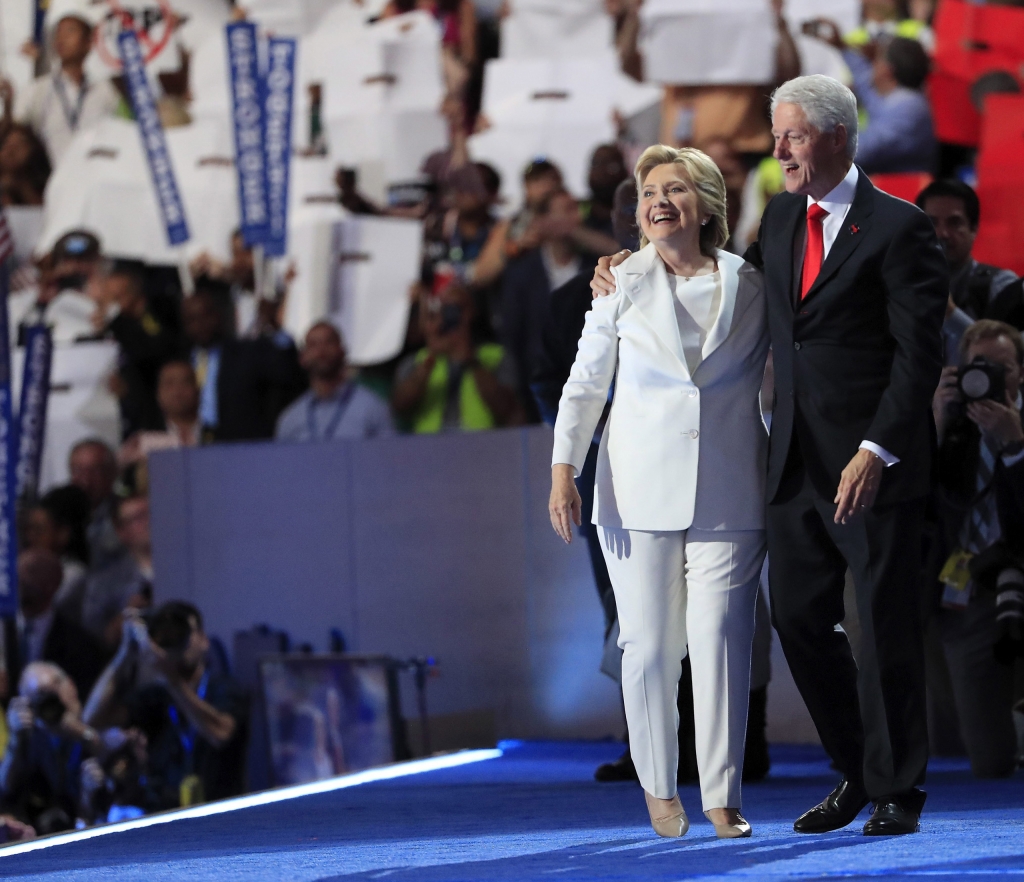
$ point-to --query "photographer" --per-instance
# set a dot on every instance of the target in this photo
(194, 720)
(979, 554)
(41, 778)
(452, 384)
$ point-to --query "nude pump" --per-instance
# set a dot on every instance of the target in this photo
(671, 825)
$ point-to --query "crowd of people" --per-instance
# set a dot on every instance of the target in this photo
(115, 710)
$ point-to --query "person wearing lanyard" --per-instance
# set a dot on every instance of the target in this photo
(60, 104)
(333, 407)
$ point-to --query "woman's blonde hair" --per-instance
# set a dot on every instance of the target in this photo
(707, 180)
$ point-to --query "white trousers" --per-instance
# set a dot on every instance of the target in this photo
(674, 589)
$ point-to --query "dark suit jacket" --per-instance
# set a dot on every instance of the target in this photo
(560, 338)
(526, 296)
(860, 357)
(76, 652)
(256, 381)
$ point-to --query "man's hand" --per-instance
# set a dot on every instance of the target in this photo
(946, 394)
(858, 485)
(565, 507)
(999, 423)
(603, 282)
(19, 714)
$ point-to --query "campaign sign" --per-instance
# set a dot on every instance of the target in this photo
(279, 90)
(8, 515)
(154, 144)
(247, 112)
(35, 391)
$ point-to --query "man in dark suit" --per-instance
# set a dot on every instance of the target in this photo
(244, 383)
(857, 289)
(529, 281)
(47, 634)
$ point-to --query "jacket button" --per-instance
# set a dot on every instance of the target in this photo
(796, 346)
(693, 393)
(694, 433)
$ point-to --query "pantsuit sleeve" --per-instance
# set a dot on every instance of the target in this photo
(586, 393)
(917, 283)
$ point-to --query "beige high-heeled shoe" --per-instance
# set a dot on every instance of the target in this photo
(671, 825)
(740, 830)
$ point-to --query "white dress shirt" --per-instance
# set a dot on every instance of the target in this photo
(837, 203)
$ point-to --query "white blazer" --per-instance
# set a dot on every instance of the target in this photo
(677, 451)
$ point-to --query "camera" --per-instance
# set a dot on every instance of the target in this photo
(982, 379)
(451, 317)
(999, 569)
(48, 709)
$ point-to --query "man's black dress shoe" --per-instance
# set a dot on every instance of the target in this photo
(840, 808)
(621, 769)
(890, 818)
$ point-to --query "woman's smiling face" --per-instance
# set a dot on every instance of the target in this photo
(669, 206)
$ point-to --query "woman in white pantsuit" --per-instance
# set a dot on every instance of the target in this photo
(680, 477)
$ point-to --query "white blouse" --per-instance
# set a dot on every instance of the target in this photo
(697, 301)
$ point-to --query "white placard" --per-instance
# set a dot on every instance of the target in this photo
(104, 170)
(26, 224)
(733, 44)
(16, 30)
(81, 404)
(376, 261)
(563, 29)
(845, 13)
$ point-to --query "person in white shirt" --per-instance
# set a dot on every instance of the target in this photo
(66, 101)
(60, 299)
(680, 477)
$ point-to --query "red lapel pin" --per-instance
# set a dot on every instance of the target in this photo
(854, 229)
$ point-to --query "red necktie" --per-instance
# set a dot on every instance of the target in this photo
(815, 252)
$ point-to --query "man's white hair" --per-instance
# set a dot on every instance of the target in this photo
(827, 103)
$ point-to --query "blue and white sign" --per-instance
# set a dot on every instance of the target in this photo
(278, 96)
(35, 393)
(8, 510)
(153, 141)
(247, 111)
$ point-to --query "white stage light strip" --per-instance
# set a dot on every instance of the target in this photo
(267, 797)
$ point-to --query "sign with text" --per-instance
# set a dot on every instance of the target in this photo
(154, 144)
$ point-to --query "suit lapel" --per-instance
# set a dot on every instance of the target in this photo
(647, 287)
(729, 280)
(855, 228)
(797, 216)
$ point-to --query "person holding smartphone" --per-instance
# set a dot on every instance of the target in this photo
(452, 384)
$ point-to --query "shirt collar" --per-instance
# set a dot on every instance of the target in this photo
(841, 196)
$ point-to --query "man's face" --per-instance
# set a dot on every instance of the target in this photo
(93, 472)
(1000, 350)
(607, 171)
(177, 392)
(72, 39)
(809, 158)
(133, 524)
(41, 532)
(200, 320)
(323, 356)
(952, 228)
(188, 659)
(15, 151)
(538, 189)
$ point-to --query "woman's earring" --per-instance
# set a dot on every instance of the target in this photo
(704, 222)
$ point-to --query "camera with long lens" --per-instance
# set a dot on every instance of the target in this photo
(48, 708)
(1000, 570)
(982, 379)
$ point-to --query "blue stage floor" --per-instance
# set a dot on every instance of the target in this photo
(536, 814)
